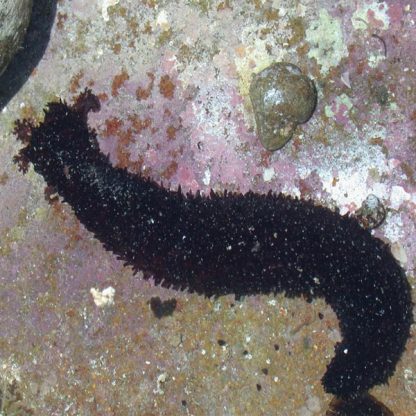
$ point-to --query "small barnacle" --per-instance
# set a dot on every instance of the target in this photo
(282, 97)
(372, 213)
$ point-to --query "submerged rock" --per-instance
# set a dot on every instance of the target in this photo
(282, 97)
(14, 20)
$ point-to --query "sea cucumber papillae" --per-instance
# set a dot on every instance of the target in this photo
(232, 243)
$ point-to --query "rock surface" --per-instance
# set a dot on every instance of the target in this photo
(173, 79)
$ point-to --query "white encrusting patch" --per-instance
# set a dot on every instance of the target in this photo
(104, 297)
(268, 174)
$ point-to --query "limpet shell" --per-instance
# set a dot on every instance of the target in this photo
(282, 97)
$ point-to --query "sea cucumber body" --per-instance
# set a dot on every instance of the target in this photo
(232, 243)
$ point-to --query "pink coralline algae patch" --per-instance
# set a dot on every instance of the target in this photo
(396, 12)
(372, 18)
(186, 178)
(181, 126)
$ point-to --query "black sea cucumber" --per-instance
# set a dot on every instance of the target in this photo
(232, 243)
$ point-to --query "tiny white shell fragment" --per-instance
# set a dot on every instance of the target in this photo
(104, 297)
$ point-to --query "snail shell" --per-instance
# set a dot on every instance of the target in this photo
(282, 97)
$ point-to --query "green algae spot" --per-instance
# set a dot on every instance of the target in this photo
(298, 30)
(165, 37)
(203, 5)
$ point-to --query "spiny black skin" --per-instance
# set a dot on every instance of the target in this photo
(243, 244)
